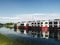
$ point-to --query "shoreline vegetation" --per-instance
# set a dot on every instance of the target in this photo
(9, 41)
(4, 40)
(7, 25)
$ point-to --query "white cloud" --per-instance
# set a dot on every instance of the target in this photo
(27, 17)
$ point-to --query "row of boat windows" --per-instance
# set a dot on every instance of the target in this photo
(42, 23)
(46, 23)
(54, 22)
(50, 23)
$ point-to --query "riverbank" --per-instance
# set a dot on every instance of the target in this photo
(8, 41)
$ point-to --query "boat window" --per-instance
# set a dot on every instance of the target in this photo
(38, 23)
(46, 22)
(22, 24)
(41, 22)
(35, 23)
(32, 23)
(55, 22)
(50, 22)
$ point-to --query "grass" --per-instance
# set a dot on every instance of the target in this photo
(5, 41)
(9, 41)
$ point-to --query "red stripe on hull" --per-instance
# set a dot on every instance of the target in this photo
(45, 29)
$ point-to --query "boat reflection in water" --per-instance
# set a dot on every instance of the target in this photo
(40, 29)
(39, 34)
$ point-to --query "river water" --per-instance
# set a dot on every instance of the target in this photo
(29, 35)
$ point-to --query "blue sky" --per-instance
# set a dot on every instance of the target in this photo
(15, 7)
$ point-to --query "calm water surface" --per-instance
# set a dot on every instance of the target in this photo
(30, 36)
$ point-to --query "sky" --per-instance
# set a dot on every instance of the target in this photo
(14, 8)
